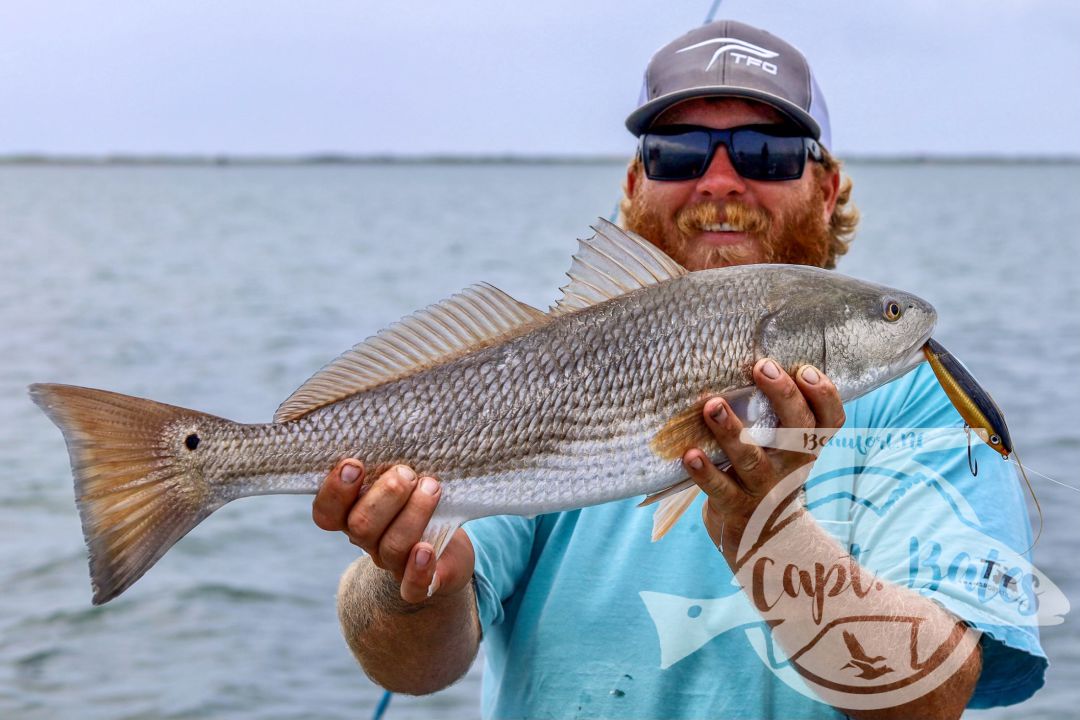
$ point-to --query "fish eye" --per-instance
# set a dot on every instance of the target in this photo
(995, 440)
(892, 310)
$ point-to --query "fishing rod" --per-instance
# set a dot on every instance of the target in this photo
(712, 12)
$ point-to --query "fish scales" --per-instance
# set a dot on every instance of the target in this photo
(583, 381)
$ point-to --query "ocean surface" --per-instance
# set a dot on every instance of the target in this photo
(224, 288)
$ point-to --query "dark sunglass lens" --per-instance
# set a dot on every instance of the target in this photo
(675, 157)
(759, 156)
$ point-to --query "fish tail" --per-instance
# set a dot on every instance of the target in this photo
(136, 491)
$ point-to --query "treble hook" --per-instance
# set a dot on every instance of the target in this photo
(973, 464)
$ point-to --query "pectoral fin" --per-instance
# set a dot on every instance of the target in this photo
(687, 429)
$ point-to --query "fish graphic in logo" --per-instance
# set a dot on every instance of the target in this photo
(742, 51)
(684, 625)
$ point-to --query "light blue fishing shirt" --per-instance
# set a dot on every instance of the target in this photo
(584, 616)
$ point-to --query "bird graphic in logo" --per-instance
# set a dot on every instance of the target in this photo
(867, 666)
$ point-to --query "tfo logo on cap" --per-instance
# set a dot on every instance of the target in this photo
(748, 54)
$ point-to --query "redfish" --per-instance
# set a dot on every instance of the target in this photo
(515, 410)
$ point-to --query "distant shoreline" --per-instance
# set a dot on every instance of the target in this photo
(34, 159)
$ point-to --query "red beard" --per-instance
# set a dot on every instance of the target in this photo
(800, 239)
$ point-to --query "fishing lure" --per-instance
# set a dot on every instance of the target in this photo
(978, 409)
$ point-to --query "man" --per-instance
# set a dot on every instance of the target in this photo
(563, 601)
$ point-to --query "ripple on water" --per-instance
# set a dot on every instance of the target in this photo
(242, 595)
(82, 619)
(32, 665)
(48, 568)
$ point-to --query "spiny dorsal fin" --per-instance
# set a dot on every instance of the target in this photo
(612, 263)
(474, 318)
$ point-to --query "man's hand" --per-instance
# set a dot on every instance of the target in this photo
(386, 518)
(809, 400)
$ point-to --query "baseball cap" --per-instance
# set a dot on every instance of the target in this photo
(732, 59)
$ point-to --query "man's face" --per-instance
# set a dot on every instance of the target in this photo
(724, 219)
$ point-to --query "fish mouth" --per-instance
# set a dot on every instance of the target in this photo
(915, 354)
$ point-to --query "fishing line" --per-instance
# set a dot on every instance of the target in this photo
(1047, 477)
(1031, 490)
(712, 12)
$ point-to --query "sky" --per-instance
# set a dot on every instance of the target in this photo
(995, 77)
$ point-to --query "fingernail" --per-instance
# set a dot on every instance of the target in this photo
(423, 557)
(719, 413)
(695, 463)
(406, 473)
(429, 486)
(350, 474)
(810, 375)
(770, 370)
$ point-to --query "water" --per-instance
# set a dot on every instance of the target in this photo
(222, 289)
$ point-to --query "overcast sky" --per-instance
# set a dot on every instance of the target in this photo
(483, 76)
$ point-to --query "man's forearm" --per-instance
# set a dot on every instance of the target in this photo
(808, 548)
(413, 649)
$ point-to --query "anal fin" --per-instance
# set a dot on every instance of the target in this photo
(674, 501)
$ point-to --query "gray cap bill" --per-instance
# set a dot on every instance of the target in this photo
(731, 59)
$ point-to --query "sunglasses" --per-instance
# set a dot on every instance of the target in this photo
(757, 152)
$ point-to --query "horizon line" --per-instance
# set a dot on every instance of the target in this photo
(344, 158)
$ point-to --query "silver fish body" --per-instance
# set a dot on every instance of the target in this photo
(588, 404)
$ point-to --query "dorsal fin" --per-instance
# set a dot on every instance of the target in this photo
(474, 318)
(612, 263)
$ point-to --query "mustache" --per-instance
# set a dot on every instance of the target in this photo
(742, 218)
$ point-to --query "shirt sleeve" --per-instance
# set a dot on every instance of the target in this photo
(923, 519)
(503, 546)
